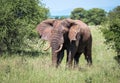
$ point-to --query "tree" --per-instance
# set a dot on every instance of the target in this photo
(96, 16)
(63, 17)
(112, 29)
(18, 19)
(93, 16)
(78, 13)
(56, 17)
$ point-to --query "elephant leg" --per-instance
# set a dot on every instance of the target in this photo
(67, 59)
(70, 59)
(60, 57)
(88, 56)
(72, 52)
(67, 55)
(76, 59)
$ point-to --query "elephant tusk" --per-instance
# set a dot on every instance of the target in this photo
(59, 48)
(47, 48)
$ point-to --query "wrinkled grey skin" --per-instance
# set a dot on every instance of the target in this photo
(74, 35)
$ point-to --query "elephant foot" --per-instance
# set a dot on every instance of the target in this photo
(77, 68)
(54, 65)
(68, 67)
(89, 64)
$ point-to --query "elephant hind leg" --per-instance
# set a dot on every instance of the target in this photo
(88, 55)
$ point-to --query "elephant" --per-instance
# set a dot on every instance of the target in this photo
(74, 36)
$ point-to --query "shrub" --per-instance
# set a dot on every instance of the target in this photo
(18, 19)
(112, 29)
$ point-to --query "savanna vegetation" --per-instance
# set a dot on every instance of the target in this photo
(37, 69)
(22, 59)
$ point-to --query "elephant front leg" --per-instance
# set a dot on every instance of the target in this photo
(57, 58)
(71, 53)
(69, 60)
(60, 57)
(76, 59)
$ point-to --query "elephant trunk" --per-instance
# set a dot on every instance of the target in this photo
(57, 41)
(57, 45)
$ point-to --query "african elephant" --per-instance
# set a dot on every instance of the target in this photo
(74, 36)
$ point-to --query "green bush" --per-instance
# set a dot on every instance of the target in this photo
(18, 19)
(111, 30)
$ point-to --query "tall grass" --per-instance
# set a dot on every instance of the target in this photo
(38, 69)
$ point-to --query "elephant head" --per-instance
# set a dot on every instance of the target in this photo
(47, 32)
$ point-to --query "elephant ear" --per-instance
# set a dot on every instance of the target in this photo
(44, 29)
(73, 29)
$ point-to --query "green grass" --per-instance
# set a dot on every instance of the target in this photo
(38, 69)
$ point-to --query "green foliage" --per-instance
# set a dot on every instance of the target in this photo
(96, 16)
(111, 30)
(78, 13)
(63, 17)
(18, 19)
(93, 16)
(56, 17)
